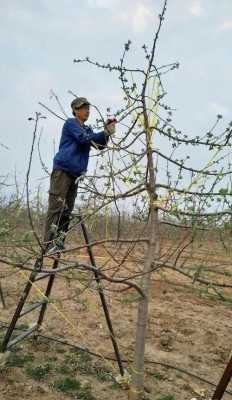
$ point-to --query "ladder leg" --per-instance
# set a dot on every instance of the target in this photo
(2, 297)
(47, 293)
(103, 299)
(18, 310)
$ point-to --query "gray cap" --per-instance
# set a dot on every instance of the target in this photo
(79, 101)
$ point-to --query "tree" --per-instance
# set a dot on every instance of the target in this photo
(183, 202)
(131, 170)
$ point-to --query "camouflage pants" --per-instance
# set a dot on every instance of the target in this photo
(62, 195)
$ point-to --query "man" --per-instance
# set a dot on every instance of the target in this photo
(70, 162)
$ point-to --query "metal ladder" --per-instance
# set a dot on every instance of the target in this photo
(35, 276)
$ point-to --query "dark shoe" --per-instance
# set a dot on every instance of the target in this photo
(55, 248)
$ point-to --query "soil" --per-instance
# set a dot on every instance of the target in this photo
(189, 329)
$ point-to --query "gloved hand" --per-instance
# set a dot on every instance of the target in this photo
(110, 126)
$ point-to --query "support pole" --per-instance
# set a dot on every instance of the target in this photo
(224, 381)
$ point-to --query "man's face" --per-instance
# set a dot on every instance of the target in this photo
(83, 112)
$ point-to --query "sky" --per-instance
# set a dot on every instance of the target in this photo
(39, 41)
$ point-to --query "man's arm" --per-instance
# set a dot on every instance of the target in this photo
(102, 141)
(109, 130)
(83, 136)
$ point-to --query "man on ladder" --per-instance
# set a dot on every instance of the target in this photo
(69, 164)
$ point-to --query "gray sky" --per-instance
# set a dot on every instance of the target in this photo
(39, 41)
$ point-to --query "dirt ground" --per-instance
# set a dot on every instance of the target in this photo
(189, 336)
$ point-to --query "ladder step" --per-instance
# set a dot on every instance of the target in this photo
(32, 307)
(42, 275)
(22, 336)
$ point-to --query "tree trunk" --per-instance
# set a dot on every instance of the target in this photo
(137, 385)
(136, 390)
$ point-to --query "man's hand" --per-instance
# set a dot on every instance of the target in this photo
(110, 126)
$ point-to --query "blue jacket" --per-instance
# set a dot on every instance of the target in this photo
(74, 148)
